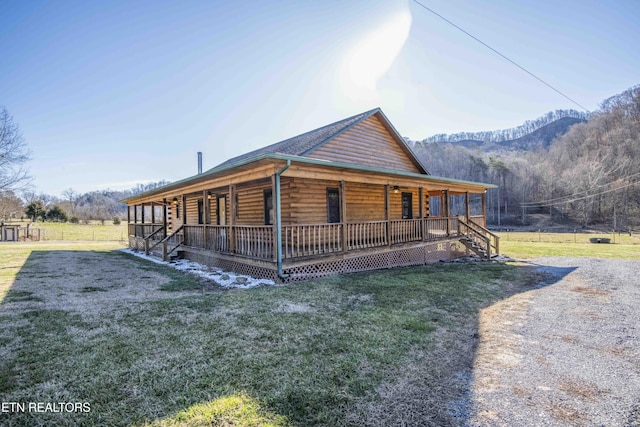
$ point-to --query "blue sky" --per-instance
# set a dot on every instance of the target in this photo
(111, 93)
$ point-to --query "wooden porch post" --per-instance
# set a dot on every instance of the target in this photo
(184, 209)
(387, 212)
(421, 209)
(232, 217)
(128, 214)
(205, 216)
(447, 211)
(142, 213)
(343, 217)
(273, 222)
(164, 217)
(467, 205)
(484, 207)
(153, 213)
(135, 214)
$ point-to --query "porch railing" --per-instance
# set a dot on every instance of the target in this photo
(217, 238)
(406, 230)
(363, 235)
(305, 240)
(254, 241)
(311, 239)
(144, 230)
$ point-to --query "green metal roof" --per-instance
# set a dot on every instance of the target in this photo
(225, 167)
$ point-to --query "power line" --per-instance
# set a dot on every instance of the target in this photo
(503, 56)
(576, 199)
(590, 195)
(577, 196)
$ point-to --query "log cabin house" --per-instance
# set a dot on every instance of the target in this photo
(349, 196)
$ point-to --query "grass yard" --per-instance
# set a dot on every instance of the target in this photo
(82, 323)
(531, 245)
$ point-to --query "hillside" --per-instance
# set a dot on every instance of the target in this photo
(537, 139)
(542, 137)
(580, 170)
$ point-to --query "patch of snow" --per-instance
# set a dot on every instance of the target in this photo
(227, 279)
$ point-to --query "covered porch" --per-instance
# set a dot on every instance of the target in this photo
(299, 212)
(299, 241)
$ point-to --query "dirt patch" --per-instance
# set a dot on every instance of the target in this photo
(288, 307)
(581, 389)
(113, 281)
(590, 291)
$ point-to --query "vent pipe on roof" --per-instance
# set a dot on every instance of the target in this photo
(199, 162)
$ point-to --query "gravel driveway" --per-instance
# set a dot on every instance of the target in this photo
(565, 354)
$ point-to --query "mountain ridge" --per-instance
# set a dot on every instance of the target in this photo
(530, 136)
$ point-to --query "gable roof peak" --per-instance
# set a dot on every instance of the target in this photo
(303, 144)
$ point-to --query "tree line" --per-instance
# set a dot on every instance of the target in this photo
(102, 205)
(588, 176)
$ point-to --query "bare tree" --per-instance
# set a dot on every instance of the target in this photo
(10, 205)
(73, 197)
(13, 154)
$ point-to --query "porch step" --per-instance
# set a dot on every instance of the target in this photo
(474, 247)
(177, 254)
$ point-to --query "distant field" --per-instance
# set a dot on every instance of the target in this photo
(92, 231)
(531, 245)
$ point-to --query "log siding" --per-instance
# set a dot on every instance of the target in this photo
(368, 144)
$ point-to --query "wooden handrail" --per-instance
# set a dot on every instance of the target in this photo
(147, 247)
(476, 235)
(165, 241)
(495, 237)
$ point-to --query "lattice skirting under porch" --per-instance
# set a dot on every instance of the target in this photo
(415, 254)
(136, 243)
(239, 265)
(425, 253)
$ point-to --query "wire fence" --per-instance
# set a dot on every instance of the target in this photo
(629, 237)
(68, 232)
(92, 235)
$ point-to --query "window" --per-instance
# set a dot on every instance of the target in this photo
(333, 205)
(407, 205)
(200, 211)
(268, 207)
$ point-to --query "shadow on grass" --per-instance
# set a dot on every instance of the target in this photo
(376, 348)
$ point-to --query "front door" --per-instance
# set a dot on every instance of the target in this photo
(222, 210)
(407, 205)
